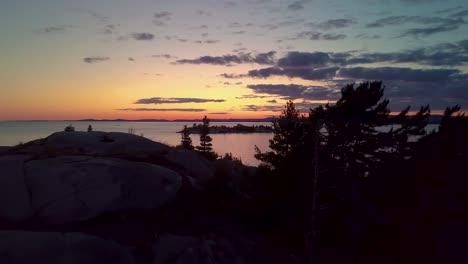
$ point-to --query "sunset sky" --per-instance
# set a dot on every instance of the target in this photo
(106, 59)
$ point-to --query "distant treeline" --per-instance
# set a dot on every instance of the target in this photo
(196, 128)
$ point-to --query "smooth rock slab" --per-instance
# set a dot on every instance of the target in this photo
(197, 167)
(75, 188)
(15, 203)
(103, 144)
(23, 247)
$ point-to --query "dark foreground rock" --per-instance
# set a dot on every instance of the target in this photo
(97, 197)
(21, 247)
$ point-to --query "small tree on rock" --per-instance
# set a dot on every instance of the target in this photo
(205, 140)
(186, 141)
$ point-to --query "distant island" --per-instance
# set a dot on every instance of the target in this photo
(195, 129)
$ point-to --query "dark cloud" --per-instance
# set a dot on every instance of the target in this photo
(272, 101)
(99, 17)
(208, 41)
(240, 32)
(163, 15)
(395, 73)
(95, 59)
(461, 14)
(438, 95)
(262, 108)
(284, 23)
(303, 73)
(230, 75)
(420, 1)
(304, 59)
(164, 56)
(161, 100)
(368, 36)
(219, 113)
(428, 31)
(260, 58)
(234, 25)
(131, 59)
(109, 29)
(53, 29)
(199, 27)
(448, 10)
(229, 83)
(445, 54)
(295, 91)
(438, 24)
(399, 20)
(204, 13)
(314, 35)
(333, 23)
(142, 36)
(298, 5)
(163, 109)
(253, 96)
(161, 18)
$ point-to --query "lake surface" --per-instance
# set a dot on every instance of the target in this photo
(240, 145)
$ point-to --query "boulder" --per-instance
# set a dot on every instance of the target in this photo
(74, 188)
(195, 250)
(15, 203)
(23, 247)
(197, 167)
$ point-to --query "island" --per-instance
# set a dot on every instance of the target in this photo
(196, 128)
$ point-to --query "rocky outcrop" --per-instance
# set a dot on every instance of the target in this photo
(195, 166)
(74, 188)
(116, 186)
(103, 144)
(22, 247)
(197, 250)
(15, 200)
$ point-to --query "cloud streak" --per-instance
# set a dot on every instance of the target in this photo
(142, 36)
(162, 109)
(261, 58)
(295, 91)
(95, 59)
(333, 23)
(176, 100)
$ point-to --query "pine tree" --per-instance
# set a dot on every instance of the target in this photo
(289, 136)
(186, 141)
(205, 139)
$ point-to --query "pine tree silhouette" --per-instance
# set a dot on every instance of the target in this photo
(186, 141)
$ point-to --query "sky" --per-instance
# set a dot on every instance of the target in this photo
(183, 59)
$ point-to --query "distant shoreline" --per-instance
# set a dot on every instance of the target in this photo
(434, 119)
(147, 120)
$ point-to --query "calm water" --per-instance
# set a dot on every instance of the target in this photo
(240, 145)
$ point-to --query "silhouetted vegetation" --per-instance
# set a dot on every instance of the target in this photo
(69, 128)
(351, 183)
(205, 147)
(239, 128)
(186, 141)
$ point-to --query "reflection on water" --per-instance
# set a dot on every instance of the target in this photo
(240, 145)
